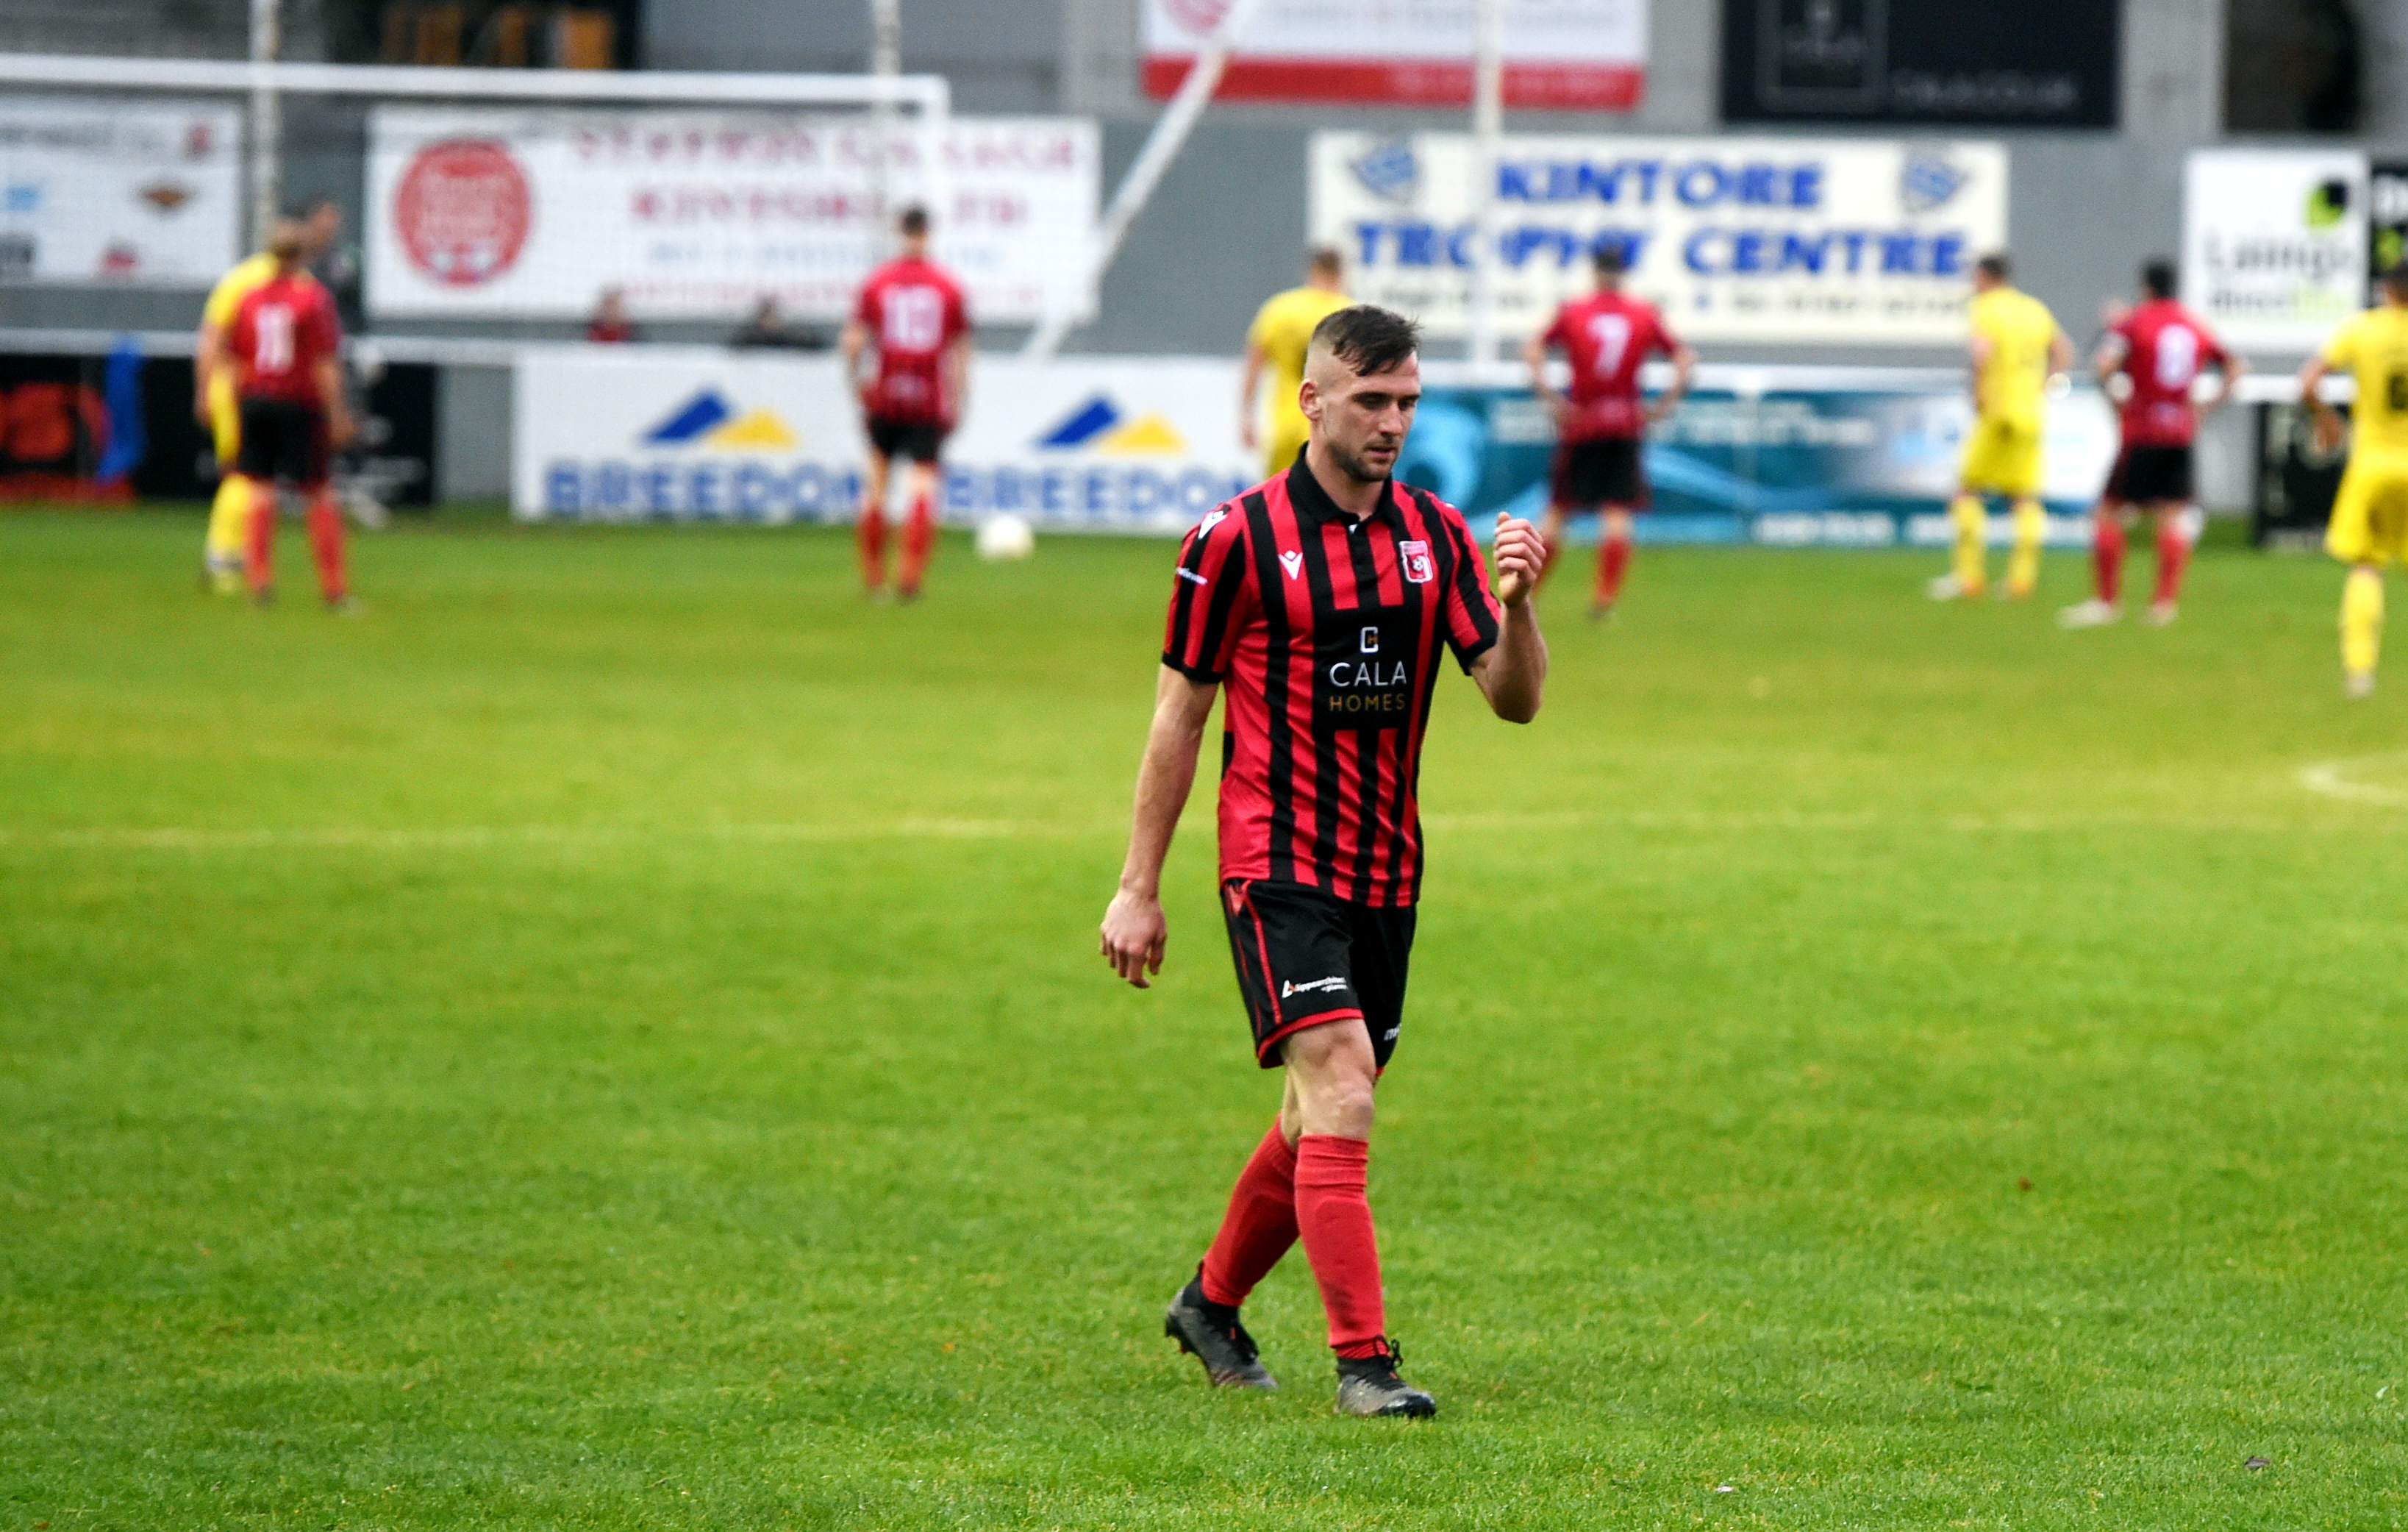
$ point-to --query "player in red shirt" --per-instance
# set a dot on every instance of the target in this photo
(1323, 602)
(2159, 348)
(912, 310)
(284, 343)
(1606, 337)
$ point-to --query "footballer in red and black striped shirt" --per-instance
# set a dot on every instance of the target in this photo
(1320, 602)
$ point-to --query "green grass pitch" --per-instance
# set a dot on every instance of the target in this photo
(613, 1038)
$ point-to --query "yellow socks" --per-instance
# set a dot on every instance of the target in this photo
(1972, 577)
(2362, 622)
(2023, 565)
(229, 533)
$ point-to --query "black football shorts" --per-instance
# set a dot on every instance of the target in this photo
(921, 440)
(1601, 471)
(2145, 475)
(283, 440)
(1306, 958)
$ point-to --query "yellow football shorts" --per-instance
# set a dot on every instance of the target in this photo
(2370, 514)
(2002, 456)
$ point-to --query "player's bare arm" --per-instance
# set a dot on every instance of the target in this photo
(1512, 673)
(2060, 353)
(1534, 356)
(2107, 360)
(1685, 364)
(208, 355)
(1134, 933)
(851, 343)
(328, 375)
(957, 375)
(1256, 359)
(2227, 378)
(2325, 420)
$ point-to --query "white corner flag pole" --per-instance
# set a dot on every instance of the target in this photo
(1488, 135)
(267, 122)
(1162, 146)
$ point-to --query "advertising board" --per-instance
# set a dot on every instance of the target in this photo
(1577, 55)
(2274, 242)
(1959, 61)
(129, 194)
(1140, 444)
(535, 212)
(1866, 240)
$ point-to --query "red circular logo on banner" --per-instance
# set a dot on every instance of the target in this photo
(1197, 15)
(462, 211)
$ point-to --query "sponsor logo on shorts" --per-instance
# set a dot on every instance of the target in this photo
(1335, 981)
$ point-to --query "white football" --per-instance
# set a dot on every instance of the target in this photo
(1004, 536)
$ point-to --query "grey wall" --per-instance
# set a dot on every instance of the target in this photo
(1001, 56)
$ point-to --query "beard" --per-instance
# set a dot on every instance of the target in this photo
(1351, 462)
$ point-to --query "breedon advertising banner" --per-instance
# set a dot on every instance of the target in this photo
(1865, 241)
(1135, 445)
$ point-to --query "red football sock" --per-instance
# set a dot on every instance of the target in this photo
(919, 540)
(1333, 1213)
(326, 547)
(870, 538)
(1260, 1226)
(2173, 552)
(259, 556)
(2107, 555)
(1613, 563)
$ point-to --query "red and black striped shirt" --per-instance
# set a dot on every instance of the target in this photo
(1326, 633)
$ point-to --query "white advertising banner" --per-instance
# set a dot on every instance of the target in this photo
(1856, 239)
(2274, 242)
(1138, 443)
(135, 193)
(533, 211)
(1582, 55)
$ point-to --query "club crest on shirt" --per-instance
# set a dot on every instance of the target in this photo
(1415, 557)
(1293, 562)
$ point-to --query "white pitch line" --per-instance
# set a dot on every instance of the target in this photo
(2332, 779)
(2323, 779)
(469, 837)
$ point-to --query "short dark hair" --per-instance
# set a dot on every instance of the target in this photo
(1325, 258)
(914, 222)
(1609, 258)
(2157, 277)
(1995, 265)
(1368, 337)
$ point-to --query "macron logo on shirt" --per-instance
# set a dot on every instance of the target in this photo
(1293, 563)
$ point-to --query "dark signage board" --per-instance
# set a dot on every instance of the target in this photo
(69, 433)
(2387, 222)
(1985, 63)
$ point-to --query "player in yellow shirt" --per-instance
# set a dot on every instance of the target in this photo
(214, 406)
(1282, 328)
(2370, 514)
(2016, 346)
